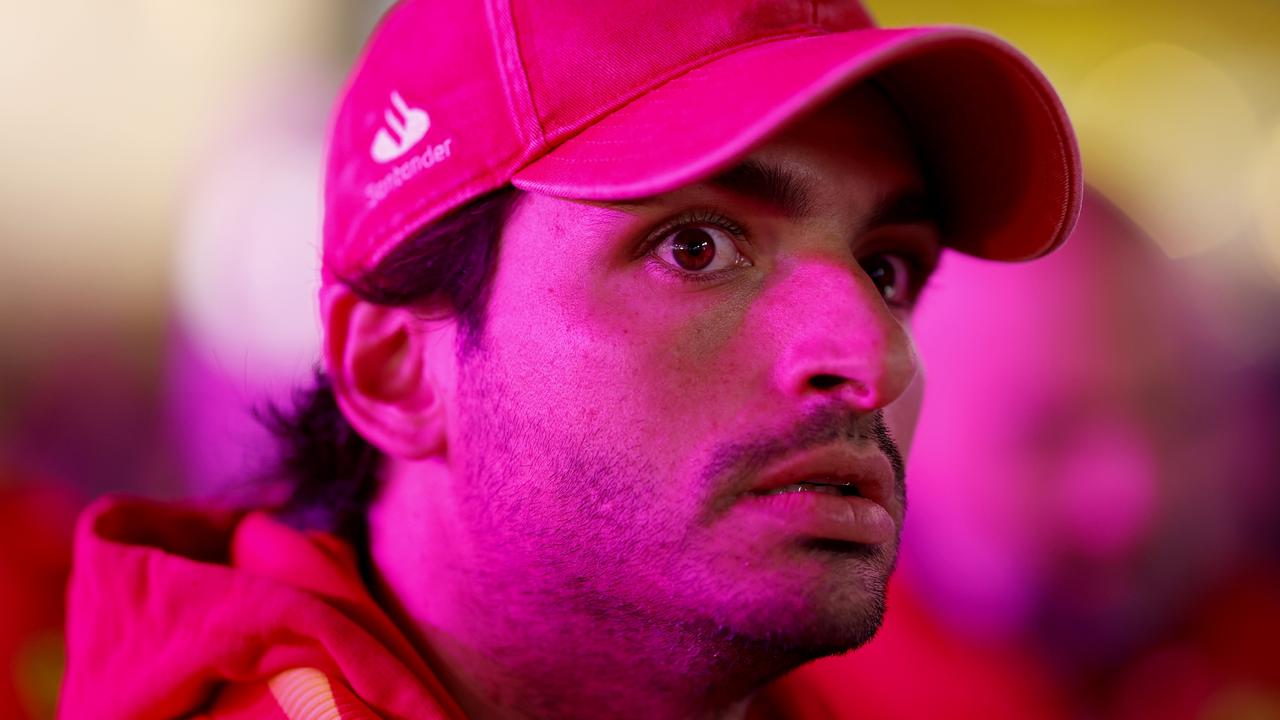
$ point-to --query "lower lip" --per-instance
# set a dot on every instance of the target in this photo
(820, 515)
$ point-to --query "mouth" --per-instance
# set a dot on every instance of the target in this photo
(845, 470)
(827, 486)
(842, 493)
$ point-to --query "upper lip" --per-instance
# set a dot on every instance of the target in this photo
(863, 467)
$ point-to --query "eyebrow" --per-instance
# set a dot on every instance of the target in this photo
(791, 195)
(769, 184)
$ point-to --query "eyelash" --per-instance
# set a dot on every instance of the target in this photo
(921, 268)
(922, 275)
(692, 218)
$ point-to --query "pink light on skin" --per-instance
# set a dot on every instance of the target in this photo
(568, 503)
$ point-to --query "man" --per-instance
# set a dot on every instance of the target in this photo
(615, 303)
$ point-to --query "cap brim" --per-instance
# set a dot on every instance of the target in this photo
(995, 141)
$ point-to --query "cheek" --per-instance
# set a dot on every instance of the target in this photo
(672, 351)
(605, 349)
(693, 367)
(594, 361)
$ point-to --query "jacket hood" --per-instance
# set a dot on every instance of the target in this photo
(170, 607)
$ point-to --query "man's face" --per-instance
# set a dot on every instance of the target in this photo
(647, 369)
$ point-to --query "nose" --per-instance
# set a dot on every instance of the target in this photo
(839, 339)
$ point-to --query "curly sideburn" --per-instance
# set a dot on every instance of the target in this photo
(329, 470)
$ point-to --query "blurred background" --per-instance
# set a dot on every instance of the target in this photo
(1095, 527)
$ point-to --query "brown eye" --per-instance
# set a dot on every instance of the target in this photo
(892, 276)
(693, 248)
(699, 249)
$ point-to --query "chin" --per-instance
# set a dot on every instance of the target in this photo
(829, 605)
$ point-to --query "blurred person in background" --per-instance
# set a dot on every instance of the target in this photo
(1094, 499)
(642, 456)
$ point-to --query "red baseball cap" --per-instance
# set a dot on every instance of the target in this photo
(630, 98)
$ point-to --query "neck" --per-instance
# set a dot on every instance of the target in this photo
(506, 652)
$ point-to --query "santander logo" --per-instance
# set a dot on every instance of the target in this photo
(406, 126)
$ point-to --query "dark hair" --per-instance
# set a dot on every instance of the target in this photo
(328, 470)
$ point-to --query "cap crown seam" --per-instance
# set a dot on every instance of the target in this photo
(569, 131)
(519, 92)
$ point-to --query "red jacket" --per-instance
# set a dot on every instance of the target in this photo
(175, 611)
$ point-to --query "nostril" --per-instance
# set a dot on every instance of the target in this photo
(826, 382)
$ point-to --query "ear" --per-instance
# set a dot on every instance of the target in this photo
(384, 364)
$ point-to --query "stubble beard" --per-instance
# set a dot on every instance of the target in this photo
(558, 545)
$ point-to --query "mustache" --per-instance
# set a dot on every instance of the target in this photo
(830, 424)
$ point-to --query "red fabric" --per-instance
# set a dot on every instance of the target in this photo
(175, 611)
(36, 519)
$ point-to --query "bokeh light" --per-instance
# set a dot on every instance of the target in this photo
(1266, 199)
(1164, 122)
